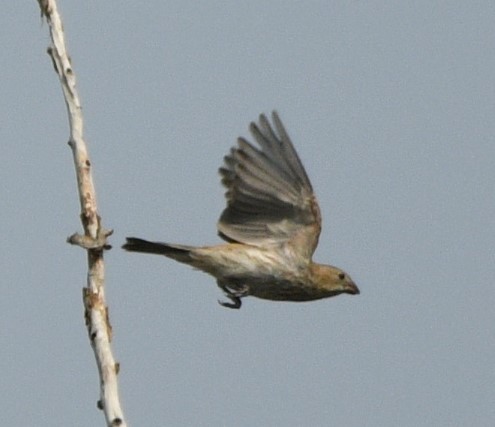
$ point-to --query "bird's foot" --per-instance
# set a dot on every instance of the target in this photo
(234, 296)
(236, 302)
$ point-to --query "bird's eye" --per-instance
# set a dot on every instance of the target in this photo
(341, 276)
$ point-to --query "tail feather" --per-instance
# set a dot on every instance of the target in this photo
(180, 253)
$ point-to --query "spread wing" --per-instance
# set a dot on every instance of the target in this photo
(270, 199)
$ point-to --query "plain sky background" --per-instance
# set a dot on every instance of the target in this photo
(391, 106)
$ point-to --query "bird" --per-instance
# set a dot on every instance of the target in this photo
(271, 225)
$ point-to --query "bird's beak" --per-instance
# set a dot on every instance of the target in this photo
(352, 289)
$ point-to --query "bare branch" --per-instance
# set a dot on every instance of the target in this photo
(94, 238)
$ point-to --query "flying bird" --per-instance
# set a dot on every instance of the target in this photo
(272, 223)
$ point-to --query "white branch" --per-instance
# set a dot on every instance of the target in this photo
(94, 238)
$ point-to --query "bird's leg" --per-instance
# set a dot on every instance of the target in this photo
(234, 296)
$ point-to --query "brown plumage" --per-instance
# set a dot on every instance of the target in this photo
(272, 223)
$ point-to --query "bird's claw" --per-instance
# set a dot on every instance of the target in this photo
(234, 296)
(236, 302)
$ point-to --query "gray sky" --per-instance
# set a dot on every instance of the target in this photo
(390, 105)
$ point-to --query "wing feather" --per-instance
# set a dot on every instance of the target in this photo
(270, 199)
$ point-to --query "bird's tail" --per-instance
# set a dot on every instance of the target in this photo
(180, 253)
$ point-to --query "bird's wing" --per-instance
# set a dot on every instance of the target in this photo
(270, 199)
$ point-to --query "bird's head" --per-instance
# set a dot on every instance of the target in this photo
(332, 280)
